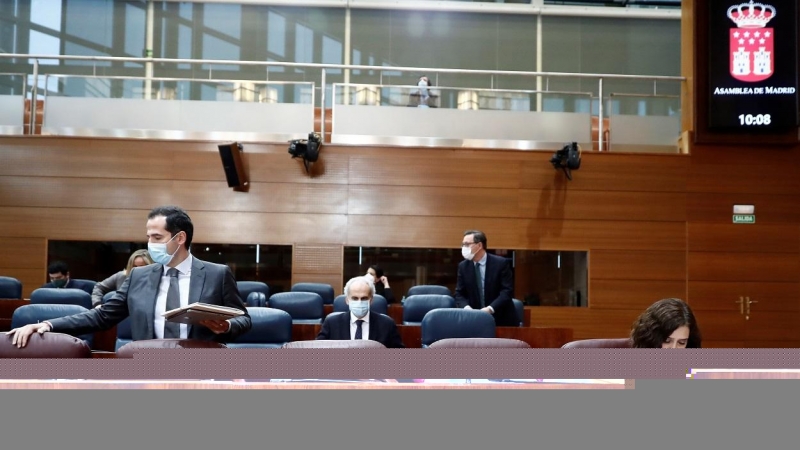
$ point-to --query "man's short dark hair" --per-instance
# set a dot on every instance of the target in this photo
(177, 221)
(58, 267)
(478, 236)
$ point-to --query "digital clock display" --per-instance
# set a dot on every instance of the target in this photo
(753, 65)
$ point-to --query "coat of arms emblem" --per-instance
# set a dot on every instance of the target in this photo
(751, 42)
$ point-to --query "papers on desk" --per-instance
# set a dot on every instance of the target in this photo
(196, 312)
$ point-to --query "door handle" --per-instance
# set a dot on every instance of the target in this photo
(741, 305)
(748, 304)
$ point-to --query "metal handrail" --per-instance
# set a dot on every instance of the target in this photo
(228, 62)
(462, 88)
(324, 67)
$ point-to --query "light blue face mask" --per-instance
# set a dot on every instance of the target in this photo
(359, 308)
(158, 252)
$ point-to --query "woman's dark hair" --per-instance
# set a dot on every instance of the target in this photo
(378, 272)
(652, 328)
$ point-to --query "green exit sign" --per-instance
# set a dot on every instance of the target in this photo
(744, 218)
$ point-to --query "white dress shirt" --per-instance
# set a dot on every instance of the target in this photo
(184, 276)
(364, 327)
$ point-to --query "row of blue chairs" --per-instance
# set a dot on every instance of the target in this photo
(303, 307)
(12, 288)
(272, 328)
(326, 290)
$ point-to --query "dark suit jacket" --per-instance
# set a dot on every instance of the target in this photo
(498, 289)
(382, 329)
(209, 283)
(384, 292)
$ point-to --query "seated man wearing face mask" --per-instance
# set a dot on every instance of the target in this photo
(360, 322)
(59, 276)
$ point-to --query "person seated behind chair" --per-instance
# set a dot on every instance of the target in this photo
(667, 323)
(360, 322)
(176, 280)
(139, 258)
(59, 276)
(382, 288)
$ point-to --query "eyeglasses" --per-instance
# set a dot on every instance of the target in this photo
(467, 244)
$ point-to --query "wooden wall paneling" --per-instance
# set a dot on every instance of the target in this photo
(433, 232)
(217, 227)
(108, 193)
(22, 253)
(433, 201)
(88, 158)
(26, 260)
(486, 169)
(772, 326)
(602, 205)
(735, 267)
(637, 265)
(330, 168)
(718, 207)
(774, 178)
(613, 235)
(716, 295)
(586, 323)
(752, 238)
(633, 294)
(769, 344)
(262, 197)
(766, 156)
(773, 297)
(317, 258)
(611, 172)
(318, 264)
(720, 325)
(159, 160)
(723, 344)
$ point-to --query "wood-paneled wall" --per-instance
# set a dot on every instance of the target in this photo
(655, 226)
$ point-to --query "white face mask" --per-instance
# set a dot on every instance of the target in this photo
(359, 308)
(370, 278)
(467, 253)
(158, 252)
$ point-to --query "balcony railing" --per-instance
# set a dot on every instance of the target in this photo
(218, 108)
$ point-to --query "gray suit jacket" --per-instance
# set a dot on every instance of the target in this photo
(210, 283)
(111, 283)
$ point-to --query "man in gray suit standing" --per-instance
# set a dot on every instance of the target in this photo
(176, 279)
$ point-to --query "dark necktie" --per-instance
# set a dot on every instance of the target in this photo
(172, 330)
(479, 283)
(359, 334)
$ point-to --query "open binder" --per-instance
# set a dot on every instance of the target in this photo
(195, 312)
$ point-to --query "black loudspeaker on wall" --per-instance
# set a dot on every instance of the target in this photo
(231, 155)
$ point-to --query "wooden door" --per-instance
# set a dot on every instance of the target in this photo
(772, 315)
(719, 310)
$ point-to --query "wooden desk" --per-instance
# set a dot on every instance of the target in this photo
(304, 332)
(412, 335)
(7, 308)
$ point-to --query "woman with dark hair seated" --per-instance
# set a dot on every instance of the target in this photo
(381, 283)
(667, 323)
